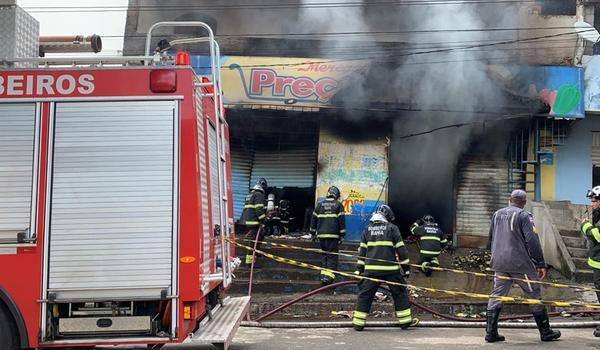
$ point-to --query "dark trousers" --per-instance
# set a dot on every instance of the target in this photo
(367, 290)
(329, 261)
(251, 232)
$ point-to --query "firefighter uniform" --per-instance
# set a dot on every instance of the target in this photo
(431, 240)
(382, 255)
(591, 230)
(328, 223)
(253, 216)
(285, 215)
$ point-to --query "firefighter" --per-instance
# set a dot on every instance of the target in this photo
(254, 215)
(285, 215)
(591, 230)
(328, 224)
(382, 255)
(272, 219)
(431, 240)
(516, 253)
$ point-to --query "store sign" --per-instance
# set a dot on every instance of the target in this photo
(282, 80)
(560, 87)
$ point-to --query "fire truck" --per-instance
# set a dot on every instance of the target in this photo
(116, 223)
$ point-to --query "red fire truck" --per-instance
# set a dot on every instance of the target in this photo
(115, 203)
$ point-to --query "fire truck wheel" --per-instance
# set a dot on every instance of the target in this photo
(8, 331)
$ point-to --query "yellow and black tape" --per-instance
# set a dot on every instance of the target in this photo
(516, 300)
(478, 274)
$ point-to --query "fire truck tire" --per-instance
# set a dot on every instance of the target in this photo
(9, 339)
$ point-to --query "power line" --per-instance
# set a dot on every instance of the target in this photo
(274, 6)
(388, 57)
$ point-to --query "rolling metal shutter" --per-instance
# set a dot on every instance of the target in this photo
(289, 166)
(241, 168)
(111, 223)
(17, 130)
(482, 189)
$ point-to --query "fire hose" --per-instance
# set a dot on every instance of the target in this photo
(454, 321)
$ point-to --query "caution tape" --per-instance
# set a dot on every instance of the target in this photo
(437, 268)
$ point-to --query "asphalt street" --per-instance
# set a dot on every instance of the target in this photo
(394, 338)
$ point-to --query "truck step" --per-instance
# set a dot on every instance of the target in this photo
(225, 321)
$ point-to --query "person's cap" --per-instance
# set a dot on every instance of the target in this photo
(519, 195)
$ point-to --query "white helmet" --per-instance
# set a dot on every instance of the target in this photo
(594, 192)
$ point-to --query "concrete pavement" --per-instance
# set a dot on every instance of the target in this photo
(394, 338)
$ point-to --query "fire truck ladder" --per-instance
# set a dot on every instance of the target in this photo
(224, 229)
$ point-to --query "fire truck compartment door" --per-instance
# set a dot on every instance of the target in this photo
(112, 202)
(17, 129)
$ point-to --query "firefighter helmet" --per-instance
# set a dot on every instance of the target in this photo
(333, 192)
(261, 184)
(428, 219)
(594, 193)
(386, 211)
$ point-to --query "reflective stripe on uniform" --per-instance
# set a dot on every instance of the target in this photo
(262, 217)
(596, 234)
(403, 313)
(253, 206)
(594, 264)
(328, 235)
(399, 244)
(430, 238)
(382, 267)
(586, 226)
(360, 262)
(405, 261)
(327, 273)
(363, 245)
(444, 241)
(359, 314)
(342, 231)
(380, 244)
(321, 216)
(358, 321)
(251, 223)
(429, 252)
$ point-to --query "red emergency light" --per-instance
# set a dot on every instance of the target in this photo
(182, 58)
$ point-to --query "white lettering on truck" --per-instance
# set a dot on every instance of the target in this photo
(64, 84)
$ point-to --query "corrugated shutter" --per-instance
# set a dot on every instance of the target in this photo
(481, 190)
(241, 168)
(596, 148)
(292, 166)
(17, 125)
(112, 198)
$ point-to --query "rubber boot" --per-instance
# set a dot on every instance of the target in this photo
(543, 323)
(597, 332)
(491, 327)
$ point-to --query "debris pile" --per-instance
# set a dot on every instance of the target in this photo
(478, 260)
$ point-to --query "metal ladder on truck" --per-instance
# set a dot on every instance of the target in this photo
(219, 326)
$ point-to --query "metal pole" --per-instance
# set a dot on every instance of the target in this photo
(537, 167)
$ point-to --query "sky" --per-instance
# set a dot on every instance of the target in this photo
(104, 24)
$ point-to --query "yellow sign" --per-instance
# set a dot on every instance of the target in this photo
(286, 81)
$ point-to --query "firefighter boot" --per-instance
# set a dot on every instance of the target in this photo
(597, 332)
(491, 327)
(543, 323)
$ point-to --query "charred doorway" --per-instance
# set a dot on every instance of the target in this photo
(280, 146)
